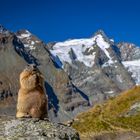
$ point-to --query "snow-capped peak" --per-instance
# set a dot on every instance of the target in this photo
(62, 50)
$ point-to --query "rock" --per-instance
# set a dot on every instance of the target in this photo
(128, 51)
(34, 129)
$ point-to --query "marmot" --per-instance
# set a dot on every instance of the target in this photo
(32, 99)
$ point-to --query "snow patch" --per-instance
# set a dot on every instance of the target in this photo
(31, 47)
(112, 40)
(37, 41)
(24, 35)
(32, 42)
(132, 63)
(109, 92)
(110, 62)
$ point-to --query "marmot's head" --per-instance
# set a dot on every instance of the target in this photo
(31, 77)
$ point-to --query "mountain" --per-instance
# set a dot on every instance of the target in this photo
(116, 119)
(130, 55)
(78, 73)
(94, 66)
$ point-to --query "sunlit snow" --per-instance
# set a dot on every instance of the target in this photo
(61, 50)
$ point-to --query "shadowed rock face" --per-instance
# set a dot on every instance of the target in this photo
(33, 129)
(71, 89)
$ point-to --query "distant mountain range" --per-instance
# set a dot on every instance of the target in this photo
(78, 73)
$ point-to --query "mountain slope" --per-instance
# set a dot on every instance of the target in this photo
(78, 73)
(10, 66)
(34, 129)
(120, 114)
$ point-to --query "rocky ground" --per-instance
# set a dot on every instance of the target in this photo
(34, 129)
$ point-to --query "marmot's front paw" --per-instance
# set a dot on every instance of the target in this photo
(22, 115)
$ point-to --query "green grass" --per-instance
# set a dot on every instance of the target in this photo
(110, 116)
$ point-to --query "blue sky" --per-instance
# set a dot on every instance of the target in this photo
(58, 20)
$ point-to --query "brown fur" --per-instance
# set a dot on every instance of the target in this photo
(32, 100)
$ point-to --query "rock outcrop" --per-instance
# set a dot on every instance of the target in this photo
(34, 129)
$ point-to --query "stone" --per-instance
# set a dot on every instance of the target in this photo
(33, 129)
